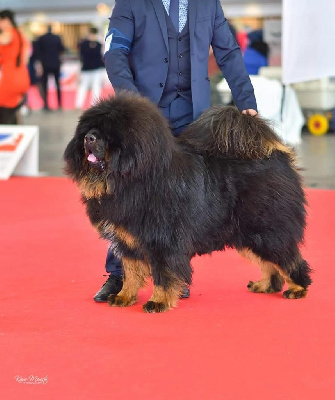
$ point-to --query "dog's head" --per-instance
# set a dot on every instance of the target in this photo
(121, 137)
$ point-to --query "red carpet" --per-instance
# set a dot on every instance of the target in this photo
(222, 343)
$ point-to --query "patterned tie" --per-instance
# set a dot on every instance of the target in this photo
(174, 13)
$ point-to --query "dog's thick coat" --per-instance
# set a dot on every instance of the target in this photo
(227, 181)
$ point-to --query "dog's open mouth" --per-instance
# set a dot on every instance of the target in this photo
(95, 161)
(92, 158)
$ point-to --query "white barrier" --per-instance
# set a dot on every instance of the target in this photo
(18, 150)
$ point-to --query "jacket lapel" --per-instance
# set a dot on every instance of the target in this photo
(160, 13)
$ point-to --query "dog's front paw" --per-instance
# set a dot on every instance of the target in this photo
(153, 307)
(260, 287)
(121, 301)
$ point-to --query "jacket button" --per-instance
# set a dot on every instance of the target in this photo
(161, 84)
(166, 60)
(179, 39)
(180, 56)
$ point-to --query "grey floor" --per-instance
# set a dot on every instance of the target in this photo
(316, 154)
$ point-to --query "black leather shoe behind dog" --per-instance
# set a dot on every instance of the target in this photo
(113, 285)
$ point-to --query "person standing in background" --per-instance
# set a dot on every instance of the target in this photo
(92, 68)
(50, 49)
(14, 77)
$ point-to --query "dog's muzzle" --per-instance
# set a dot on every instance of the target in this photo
(92, 151)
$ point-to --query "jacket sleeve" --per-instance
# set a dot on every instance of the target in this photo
(118, 44)
(229, 58)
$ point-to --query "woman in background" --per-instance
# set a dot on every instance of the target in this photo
(14, 78)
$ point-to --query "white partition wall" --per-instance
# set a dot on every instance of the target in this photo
(308, 40)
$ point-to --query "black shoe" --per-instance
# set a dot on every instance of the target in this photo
(185, 293)
(113, 285)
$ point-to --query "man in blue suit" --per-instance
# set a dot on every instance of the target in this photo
(160, 49)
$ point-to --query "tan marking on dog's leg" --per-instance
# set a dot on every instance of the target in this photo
(164, 299)
(126, 237)
(168, 296)
(136, 273)
(271, 281)
(273, 278)
(294, 291)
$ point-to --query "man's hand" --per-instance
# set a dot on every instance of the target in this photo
(250, 111)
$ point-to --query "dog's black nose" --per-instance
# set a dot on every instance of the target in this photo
(90, 138)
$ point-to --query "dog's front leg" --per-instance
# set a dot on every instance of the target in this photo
(135, 274)
(170, 273)
(164, 298)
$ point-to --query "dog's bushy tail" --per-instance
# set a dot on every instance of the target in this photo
(225, 130)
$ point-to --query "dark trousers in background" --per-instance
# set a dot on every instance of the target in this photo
(8, 116)
(55, 72)
(180, 115)
(12, 116)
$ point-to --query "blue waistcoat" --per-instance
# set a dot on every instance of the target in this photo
(178, 81)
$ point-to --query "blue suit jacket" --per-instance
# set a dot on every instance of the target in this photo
(136, 51)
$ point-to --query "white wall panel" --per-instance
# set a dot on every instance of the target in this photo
(308, 40)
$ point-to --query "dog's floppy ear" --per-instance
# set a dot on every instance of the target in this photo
(73, 158)
(121, 162)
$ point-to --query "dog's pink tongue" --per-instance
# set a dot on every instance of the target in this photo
(92, 158)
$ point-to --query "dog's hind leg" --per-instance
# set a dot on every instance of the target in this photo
(296, 274)
(136, 273)
(271, 280)
(297, 277)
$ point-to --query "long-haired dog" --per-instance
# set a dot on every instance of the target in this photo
(227, 181)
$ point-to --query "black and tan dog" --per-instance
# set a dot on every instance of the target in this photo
(227, 181)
